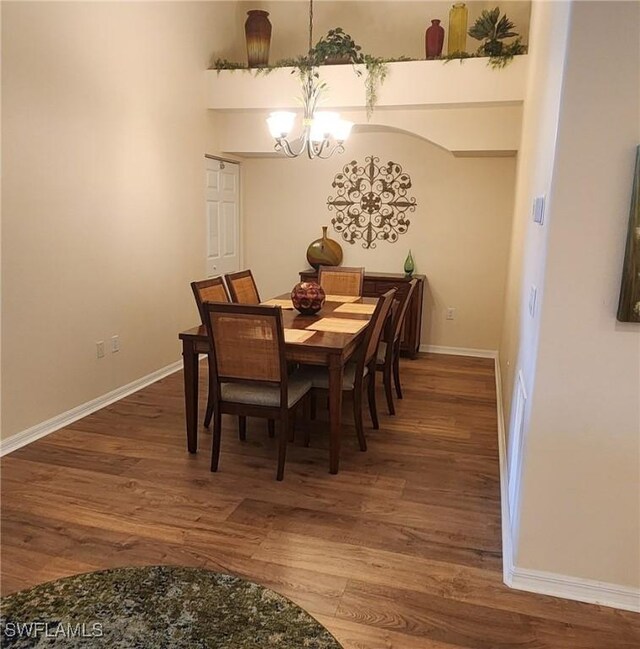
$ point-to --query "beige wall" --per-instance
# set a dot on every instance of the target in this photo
(459, 233)
(103, 136)
(549, 24)
(390, 28)
(580, 502)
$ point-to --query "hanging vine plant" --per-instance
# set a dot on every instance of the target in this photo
(336, 48)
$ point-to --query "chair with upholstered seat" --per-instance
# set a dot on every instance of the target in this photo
(361, 368)
(249, 376)
(341, 280)
(388, 360)
(209, 290)
(242, 287)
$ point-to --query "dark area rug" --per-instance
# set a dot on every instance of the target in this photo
(157, 607)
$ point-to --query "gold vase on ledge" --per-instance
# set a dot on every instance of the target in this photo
(324, 251)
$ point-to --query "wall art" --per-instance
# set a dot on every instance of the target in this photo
(629, 304)
(371, 202)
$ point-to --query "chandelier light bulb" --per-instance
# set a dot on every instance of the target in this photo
(342, 130)
(280, 123)
(323, 126)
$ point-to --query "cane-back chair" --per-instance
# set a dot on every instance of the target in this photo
(250, 371)
(361, 368)
(388, 360)
(209, 290)
(242, 287)
(339, 280)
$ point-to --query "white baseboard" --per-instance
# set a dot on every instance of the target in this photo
(64, 419)
(459, 351)
(538, 581)
(581, 590)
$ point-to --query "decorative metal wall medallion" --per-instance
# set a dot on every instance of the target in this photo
(371, 202)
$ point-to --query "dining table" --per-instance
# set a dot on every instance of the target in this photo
(332, 345)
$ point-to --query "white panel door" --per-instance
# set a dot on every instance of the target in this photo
(223, 217)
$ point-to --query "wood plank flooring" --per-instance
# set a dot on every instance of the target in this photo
(400, 550)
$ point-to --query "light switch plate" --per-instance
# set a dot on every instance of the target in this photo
(538, 210)
(533, 298)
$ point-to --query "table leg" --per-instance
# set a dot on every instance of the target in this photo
(190, 358)
(336, 372)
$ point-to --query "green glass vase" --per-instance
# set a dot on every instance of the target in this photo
(409, 265)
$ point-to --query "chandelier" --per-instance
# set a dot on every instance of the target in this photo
(323, 132)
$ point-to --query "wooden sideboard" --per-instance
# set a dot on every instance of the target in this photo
(375, 284)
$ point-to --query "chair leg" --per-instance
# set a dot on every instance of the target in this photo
(282, 445)
(396, 372)
(271, 426)
(307, 435)
(242, 427)
(292, 425)
(371, 392)
(312, 405)
(388, 388)
(357, 417)
(209, 414)
(215, 443)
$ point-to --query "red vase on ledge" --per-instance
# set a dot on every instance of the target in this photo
(434, 40)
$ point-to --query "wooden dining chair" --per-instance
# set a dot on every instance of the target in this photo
(341, 280)
(242, 287)
(250, 371)
(388, 358)
(361, 368)
(209, 290)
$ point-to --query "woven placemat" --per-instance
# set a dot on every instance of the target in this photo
(364, 309)
(297, 335)
(285, 304)
(339, 325)
(342, 298)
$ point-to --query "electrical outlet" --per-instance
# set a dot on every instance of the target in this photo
(115, 344)
(533, 298)
(451, 313)
(100, 349)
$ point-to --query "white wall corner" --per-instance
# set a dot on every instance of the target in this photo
(539, 581)
(575, 588)
(49, 426)
(507, 548)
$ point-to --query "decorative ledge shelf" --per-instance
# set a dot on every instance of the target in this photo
(408, 84)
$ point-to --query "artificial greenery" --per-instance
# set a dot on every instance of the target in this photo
(492, 30)
(340, 46)
(377, 71)
(225, 64)
(336, 46)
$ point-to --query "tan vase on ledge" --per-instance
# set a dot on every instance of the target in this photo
(324, 251)
(257, 30)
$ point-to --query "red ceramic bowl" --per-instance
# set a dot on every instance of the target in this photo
(308, 297)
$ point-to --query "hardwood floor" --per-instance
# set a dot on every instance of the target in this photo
(400, 550)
